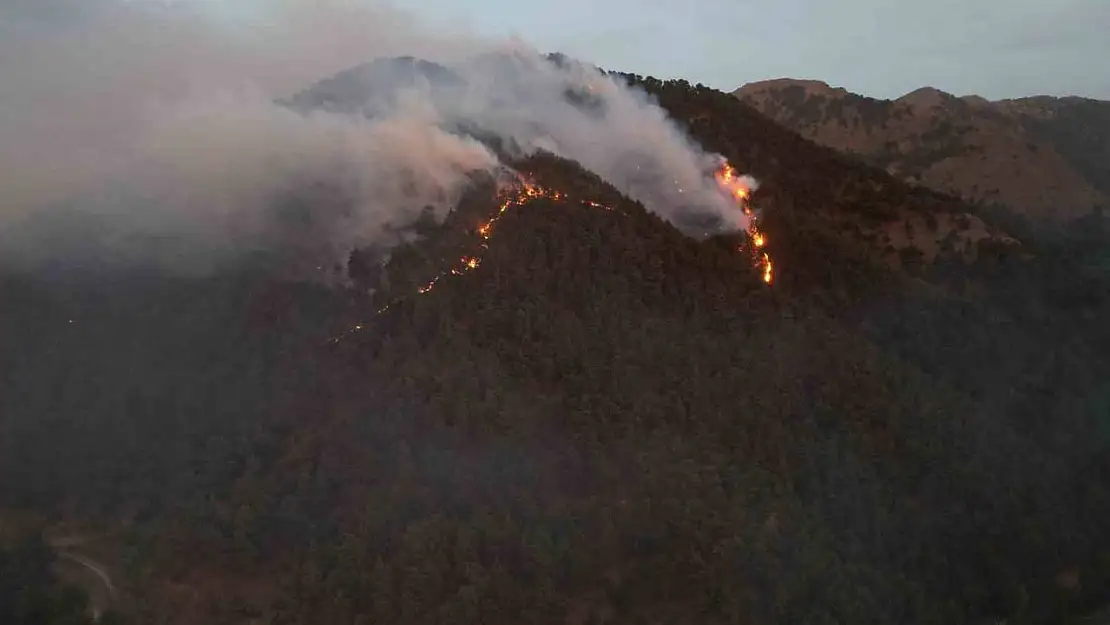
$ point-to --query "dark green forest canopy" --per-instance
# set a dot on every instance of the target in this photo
(604, 419)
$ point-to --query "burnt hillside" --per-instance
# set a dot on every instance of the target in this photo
(602, 421)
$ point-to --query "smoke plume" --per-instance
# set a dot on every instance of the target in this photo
(141, 133)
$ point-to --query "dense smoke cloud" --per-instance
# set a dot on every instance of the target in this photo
(609, 128)
(138, 132)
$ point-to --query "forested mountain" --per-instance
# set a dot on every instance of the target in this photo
(603, 420)
(1039, 156)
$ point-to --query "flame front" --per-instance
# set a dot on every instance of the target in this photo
(737, 188)
(735, 185)
(525, 191)
(521, 193)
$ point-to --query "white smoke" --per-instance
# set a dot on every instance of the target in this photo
(149, 132)
(614, 131)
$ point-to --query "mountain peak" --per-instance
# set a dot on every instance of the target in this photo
(349, 90)
(926, 97)
(811, 87)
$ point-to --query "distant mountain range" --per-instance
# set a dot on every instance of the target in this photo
(1040, 156)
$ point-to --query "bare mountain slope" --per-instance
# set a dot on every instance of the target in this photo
(1040, 156)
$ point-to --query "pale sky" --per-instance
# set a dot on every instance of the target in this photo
(881, 48)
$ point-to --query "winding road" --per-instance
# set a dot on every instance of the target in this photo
(99, 586)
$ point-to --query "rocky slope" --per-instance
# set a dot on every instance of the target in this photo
(1040, 156)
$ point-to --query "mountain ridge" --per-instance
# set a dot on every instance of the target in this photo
(903, 223)
(1042, 156)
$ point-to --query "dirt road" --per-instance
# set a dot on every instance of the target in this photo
(85, 572)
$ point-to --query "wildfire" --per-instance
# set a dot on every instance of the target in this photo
(525, 191)
(519, 194)
(737, 188)
(736, 185)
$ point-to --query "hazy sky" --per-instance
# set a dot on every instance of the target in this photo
(883, 48)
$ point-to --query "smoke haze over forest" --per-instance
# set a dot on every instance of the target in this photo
(149, 134)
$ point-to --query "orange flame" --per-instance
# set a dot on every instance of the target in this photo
(738, 189)
(518, 195)
(526, 191)
(732, 183)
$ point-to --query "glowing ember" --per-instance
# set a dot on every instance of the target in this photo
(428, 287)
(525, 191)
(737, 188)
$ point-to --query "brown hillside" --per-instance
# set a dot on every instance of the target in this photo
(816, 199)
(1038, 156)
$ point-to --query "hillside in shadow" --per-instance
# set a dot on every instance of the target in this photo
(603, 420)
